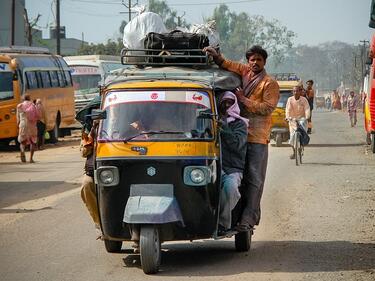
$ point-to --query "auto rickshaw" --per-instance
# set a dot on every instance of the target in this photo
(280, 127)
(158, 163)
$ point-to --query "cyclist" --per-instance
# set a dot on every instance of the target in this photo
(297, 108)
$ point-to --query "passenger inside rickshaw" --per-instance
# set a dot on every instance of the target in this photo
(165, 120)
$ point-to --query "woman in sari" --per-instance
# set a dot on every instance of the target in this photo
(27, 117)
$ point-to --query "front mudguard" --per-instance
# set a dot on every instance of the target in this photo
(152, 204)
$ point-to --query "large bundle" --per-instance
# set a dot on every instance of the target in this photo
(179, 47)
(137, 29)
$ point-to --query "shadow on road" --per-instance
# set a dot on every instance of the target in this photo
(335, 164)
(15, 192)
(216, 258)
(336, 144)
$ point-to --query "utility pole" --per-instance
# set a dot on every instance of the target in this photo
(58, 49)
(129, 7)
(13, 22)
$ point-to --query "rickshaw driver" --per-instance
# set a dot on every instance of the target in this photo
(258, 99)
(297, 107)
(233, 135)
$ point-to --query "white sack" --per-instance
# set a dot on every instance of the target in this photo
(136, 30)
(208, 29)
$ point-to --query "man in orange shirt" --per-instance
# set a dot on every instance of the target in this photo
(258, 97)
(310, 94)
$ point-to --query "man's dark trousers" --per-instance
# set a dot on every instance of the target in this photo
(253, 182)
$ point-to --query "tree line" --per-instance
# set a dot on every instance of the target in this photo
(328, 64)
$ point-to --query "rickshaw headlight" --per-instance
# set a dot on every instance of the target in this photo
(107, 176)
(197, 175)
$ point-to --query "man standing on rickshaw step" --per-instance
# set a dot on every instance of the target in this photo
(258, 99)
(297, 107)
(233, 133)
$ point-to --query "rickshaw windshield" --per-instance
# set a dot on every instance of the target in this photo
(284, 95)
(156, 115)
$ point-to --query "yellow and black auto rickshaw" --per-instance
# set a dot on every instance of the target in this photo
(158, 165)
(280, 127)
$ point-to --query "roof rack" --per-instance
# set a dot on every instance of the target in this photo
(24, 50)
(285, 76)
(164, 57)
(205, 77)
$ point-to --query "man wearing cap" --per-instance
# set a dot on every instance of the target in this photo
(258, 98)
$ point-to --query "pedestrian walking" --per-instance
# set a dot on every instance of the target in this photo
(352, 103)
(41, 124)
(27, 117)
(310, 95)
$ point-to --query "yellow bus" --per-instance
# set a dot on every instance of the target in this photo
(42, 75)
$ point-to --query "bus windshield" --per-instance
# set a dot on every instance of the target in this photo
(6, 85)
(87, 83)
(159, 115)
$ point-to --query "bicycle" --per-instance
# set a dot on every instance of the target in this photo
(297, 145)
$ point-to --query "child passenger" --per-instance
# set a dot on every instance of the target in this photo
(233, 146)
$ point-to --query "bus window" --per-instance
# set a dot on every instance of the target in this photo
(6, 85)
(54, 79)
(68, 78)
(46, 81)
(32, 82)
(61, 78)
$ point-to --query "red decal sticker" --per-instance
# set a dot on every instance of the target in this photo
(197, 97)
(154, 96)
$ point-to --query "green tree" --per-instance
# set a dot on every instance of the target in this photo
(171, 19)
(328, 64)
(240, 31)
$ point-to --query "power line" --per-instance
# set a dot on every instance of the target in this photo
(97, 2)
(212, 3)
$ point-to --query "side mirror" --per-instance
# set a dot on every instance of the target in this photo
(369, 61)
(98, 114)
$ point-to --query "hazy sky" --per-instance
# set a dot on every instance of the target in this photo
(314, 21)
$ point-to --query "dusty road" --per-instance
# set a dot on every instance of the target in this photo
(318, 220)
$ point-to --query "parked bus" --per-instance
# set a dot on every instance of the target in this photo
(369, 104)
(87, 72)
(35, 71)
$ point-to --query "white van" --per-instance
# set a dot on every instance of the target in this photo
(87, 72)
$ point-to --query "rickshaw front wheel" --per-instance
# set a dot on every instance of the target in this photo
(242, 241)
(150, 249)
(112, 246)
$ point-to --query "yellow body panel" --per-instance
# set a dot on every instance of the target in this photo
(278, 118)
(367, 117)
(157, 149)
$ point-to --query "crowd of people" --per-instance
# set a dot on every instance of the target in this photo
(349, 103)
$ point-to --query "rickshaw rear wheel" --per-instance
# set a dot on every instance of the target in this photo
(150, 249)
(242, 241)
(278, 140)
(112, 246)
